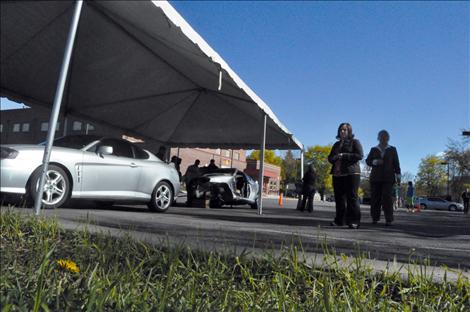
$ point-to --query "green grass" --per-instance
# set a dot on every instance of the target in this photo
(121, 274)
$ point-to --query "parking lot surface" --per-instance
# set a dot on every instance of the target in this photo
(441, 237)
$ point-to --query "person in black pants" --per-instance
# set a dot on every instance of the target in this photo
(308, 189)
(385, 172)
(345, 156)
(466, 200)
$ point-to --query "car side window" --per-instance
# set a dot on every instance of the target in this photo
(140, 153)
(120, 148)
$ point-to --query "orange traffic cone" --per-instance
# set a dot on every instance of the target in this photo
(280, 199)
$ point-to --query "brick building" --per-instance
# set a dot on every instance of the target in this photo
(271, 178)
(30, 126)
(224, 158)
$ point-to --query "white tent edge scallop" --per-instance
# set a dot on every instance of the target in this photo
(191, 34)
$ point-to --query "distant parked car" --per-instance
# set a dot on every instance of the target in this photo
(226, 186)
(438, 203)
(89, 167)
(330, 198)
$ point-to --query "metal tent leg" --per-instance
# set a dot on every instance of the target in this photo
(57, 102)
(301, 164)
(261, 168)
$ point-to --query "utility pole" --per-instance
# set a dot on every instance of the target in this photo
(448, 177)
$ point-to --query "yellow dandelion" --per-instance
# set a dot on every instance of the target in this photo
(68, 265)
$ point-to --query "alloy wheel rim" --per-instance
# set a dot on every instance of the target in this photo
(54, 188)
(163, 197)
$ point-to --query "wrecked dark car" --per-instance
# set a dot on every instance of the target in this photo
(226, 186)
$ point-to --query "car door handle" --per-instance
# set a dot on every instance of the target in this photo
(133, 165)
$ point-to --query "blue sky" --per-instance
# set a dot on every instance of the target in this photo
(400, 66)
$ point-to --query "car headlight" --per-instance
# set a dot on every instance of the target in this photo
(8, 153)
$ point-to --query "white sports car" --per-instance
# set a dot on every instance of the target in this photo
(89, 167)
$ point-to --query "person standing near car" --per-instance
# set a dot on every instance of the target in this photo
(308, 189)
(212, 165)
(383, 159)
(192, 173)
(345, 156)
(410, 195)
(466, 200)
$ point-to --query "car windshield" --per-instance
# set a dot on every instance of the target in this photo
(222, 171)
(74, 141)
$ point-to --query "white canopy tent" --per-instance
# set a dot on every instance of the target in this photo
(137, 66)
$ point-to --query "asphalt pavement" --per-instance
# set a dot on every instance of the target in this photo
(437, 237)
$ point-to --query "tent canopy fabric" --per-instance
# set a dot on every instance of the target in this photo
(137, 66)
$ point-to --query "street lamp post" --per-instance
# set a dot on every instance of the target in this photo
(448, 176)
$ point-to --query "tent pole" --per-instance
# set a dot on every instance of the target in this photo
(231, 159)
(261, 168)
(57, 102)
(65, 125)
(301, 163)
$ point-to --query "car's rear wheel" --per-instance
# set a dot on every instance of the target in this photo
(162, 197)
(255, 204)
(56, 187)
(423, 206)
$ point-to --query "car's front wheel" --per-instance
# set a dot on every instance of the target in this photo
(162, 197)
(56, 187)
(453, 207)
(423, 206)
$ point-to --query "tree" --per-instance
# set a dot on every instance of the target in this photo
(318, 156)
(457, 155)
(432, 176)
(269, 157)
(290, 168)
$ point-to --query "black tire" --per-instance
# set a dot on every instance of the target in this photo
(57, 187)
(162, 197)
(423, 206)
(254, 205)
(452, 207)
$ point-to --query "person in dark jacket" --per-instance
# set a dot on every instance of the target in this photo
(383, 159)
(212, 165)
(345, 156)
(466, 200)
(308, 189)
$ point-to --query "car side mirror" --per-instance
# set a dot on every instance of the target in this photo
(105, 150)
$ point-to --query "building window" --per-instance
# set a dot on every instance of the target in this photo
(25, 127)
(236, 155)
(16, 127)
(217, 151)
(226, 153)
(77, 126)
(90, 127)
(44, 126)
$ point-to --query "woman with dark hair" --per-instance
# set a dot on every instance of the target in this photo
(308, 188)
(383, 159)
(345, 156)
